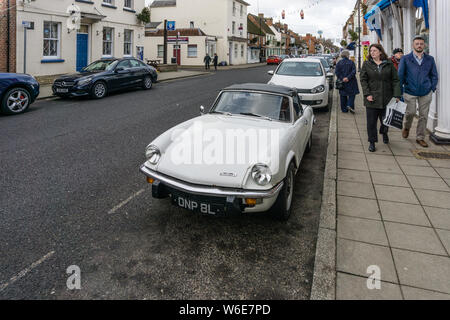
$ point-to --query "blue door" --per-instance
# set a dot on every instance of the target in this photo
(82, 50)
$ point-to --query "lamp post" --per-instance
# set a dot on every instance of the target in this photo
(359, 34)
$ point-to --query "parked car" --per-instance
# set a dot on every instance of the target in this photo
(273, 60)
(234, 187)
(104, 76)
(17, 92)
(308, 76)
(328, 70)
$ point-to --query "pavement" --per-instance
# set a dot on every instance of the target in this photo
(392, 218)
(72, 195)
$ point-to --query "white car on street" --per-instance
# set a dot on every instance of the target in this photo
(240, 157)
(308, 76)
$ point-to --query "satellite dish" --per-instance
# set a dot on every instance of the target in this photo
(73, 22)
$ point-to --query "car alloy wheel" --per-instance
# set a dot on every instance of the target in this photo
(99, 90)
(289, 189)
(148, 83)
(18, 100)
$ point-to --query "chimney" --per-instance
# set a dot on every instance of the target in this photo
(261, 15)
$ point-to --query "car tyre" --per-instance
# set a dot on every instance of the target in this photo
(99, 90)
(147, 83)
(282, 207)
(15, 101)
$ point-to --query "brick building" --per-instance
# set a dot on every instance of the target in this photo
(8, 39)
(311, 43)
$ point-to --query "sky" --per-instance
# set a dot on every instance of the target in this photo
(328, 16)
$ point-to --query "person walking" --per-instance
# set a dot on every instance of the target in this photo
(346, 72)
(380, 83)
(396, 57)
(207, 61)
(216, 61)
(418, 79)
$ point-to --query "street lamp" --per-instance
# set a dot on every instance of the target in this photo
(359, 34)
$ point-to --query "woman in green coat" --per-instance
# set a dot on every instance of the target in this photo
(380, 83)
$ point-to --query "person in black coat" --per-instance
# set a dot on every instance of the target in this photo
(207, 60)
(346, 72)
(216, 61)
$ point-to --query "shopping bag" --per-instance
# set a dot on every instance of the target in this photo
(395, 112)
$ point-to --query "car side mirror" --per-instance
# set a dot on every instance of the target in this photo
(202, 110)
(270, 72)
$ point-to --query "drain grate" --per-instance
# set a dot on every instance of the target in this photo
(430, 155)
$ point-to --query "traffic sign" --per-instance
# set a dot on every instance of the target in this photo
(170, 25)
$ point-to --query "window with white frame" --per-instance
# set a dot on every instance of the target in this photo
(160, 51)
(108, 41)
(192, 51)
(242, 10)
(233, 27)
(235, 50)
(241, 28)
(234, 8)
(242, 50)
(127, 42)
(128, 4)
(111, 2)
(51, 39)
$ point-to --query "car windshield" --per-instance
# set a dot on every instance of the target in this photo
(100, 65)
(300, 69)
(253, 104)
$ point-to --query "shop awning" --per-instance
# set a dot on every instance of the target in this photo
(380, 6)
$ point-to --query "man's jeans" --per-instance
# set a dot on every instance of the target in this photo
(347, 101)
(424, 107)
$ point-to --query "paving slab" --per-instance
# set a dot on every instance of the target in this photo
(356, 189)
(356, 257)
(354, 176)
(411, 161)
(440, 218)
(443, 172)
(357, 207)
(353, 164)
(433, 198)
(404, 213)
(396, 194)
(414, 238)
(440, 163)
(351, 155)
(423, 270)
(385, 167)
(419, 171)
(444, 235)
(351, 148)
(363, 230)
(389, 179)
(350, 287)
(428, 183)
(420, 294)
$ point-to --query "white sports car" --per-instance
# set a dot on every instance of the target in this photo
(240, 157)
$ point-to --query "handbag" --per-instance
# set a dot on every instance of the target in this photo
(395, 112)
(339, 84)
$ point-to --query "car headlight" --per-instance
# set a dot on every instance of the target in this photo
(152, 154)
(318, 89)
(261, 174)
(84, 81)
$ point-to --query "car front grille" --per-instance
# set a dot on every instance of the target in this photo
(64, 83)
(304, 90)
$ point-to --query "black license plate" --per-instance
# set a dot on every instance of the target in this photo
(59, 90)
(197, 204)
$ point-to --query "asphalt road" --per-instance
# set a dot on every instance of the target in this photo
(71, 194)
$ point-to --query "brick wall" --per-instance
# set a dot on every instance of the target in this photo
(4, 36)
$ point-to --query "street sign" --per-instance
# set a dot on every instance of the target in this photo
(170, 25)
(28, 24)
(180, 40)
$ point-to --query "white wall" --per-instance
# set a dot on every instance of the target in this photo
(50, 10)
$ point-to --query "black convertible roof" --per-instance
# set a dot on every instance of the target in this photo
(263, 87)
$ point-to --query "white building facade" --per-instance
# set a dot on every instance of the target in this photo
(223, 20)
(108, 28)
(400, 23)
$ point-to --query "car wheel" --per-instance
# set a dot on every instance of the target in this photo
(147, 84)
(282, 208)
(16, 100)
(309, 145)
(99, 90)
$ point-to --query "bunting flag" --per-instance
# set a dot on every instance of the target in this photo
(424, 5)
(312, 3)
(374, 21)
(302, 15)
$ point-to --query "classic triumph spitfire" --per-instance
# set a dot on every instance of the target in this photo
(240, 157)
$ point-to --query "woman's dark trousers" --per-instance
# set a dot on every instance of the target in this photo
(372, 119)
(347, 101)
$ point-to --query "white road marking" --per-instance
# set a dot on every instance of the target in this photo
(22, 273)
(120, 205)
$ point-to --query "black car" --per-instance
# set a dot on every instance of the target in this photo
(104, 76)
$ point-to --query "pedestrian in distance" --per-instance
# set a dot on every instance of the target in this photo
(418, 79)
(207, 61)
(380, 83)
(346, 72)
(216, 61)
(396, 57)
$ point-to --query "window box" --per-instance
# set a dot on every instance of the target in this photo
(52, 60)
(85, 1)
(107, 5)
(129, 10)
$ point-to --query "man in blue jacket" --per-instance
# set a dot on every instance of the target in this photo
(418, 79)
